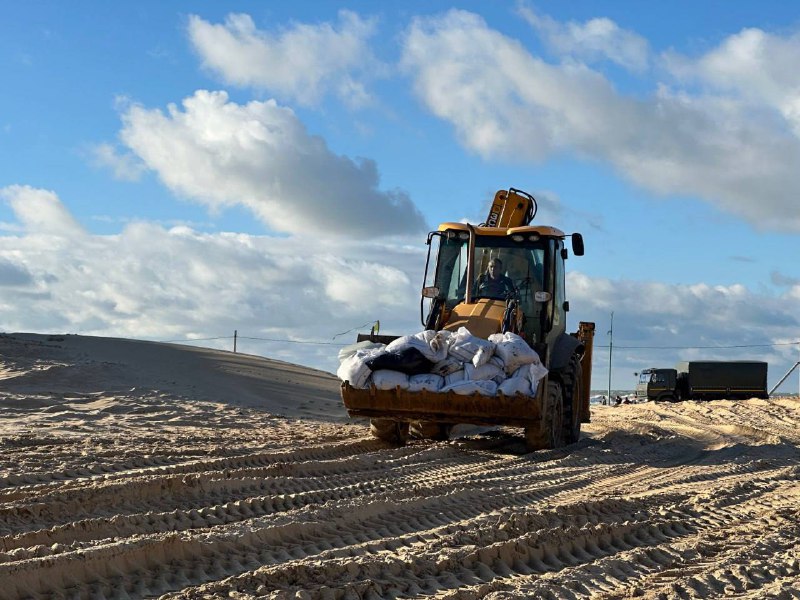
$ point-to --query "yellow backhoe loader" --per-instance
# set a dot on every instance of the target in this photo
(534, 307)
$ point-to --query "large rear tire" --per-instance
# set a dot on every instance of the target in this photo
(573, 400)
(394, 432)
(428, 430)
(550, 434)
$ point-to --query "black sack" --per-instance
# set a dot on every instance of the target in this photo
(409, 361)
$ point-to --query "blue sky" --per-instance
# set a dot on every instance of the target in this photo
(175, 171)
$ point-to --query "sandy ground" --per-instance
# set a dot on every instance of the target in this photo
(134, 469)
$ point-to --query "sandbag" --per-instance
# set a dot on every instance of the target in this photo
(449, 365)
(409, 360)
(490, 370)
(514, 351)
(354, 368)
(465, 388)
(455, 377)
(389, 380)
(433, 345)
(425, 381)
(537, 371)
(516, 385)
(350, 350)
(468, 348)
(525, 380)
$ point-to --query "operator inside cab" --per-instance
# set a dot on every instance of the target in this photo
(493, 283)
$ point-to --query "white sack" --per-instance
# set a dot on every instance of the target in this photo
(516, 385)
(514, 351)
(456, 377)
(449, 365)
(350, 350)
(432, 344)
(525, 380)
(425, 381)
(467, 347)
(537, 371)
(465, 388)
(386, 379)
(354, 368)
(490, 370)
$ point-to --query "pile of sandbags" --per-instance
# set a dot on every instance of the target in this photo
(442, 361)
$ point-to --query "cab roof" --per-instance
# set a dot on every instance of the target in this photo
(542, 230)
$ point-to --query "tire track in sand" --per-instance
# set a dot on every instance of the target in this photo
(635, 508)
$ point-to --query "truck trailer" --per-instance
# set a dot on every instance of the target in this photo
(704, 380)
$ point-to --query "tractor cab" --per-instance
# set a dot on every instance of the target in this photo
(530, 301)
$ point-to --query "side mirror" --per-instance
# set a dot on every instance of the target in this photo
(430, 292)
(577, 244)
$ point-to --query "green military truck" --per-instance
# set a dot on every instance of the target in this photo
(704, 380)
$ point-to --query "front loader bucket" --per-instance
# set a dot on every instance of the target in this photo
(448, 407)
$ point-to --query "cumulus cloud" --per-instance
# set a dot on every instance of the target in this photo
(260, 156)
(125, 166)
(161, 283)
(758, 67)
(40, 211)
(505, 102)
(302, 63)
(596, 39)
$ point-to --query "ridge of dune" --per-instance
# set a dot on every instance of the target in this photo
(138, 469)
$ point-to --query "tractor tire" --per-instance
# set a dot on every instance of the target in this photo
(394, 432)
(572, 380)
(550, 434)
(428, 430)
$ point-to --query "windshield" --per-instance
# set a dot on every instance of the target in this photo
(504, 268)
(645, 377)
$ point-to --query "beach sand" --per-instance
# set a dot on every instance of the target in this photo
(136, 469)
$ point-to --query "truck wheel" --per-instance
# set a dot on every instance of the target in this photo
(573, 387)
(394, 432)
(428, 430)
(550, 434)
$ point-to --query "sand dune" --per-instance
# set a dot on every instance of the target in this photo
(134, 469)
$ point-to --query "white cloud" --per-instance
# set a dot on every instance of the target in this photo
(125, 167)
(505, 102)
(259, 156)
(161, 283)
(302, 63)
(594, 40)
(40, 212)
(759, 67)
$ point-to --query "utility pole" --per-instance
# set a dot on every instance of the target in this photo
(610, 347)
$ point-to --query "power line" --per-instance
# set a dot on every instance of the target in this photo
(702, 347)
(321, 343)
(222, 337)
(243, 337)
